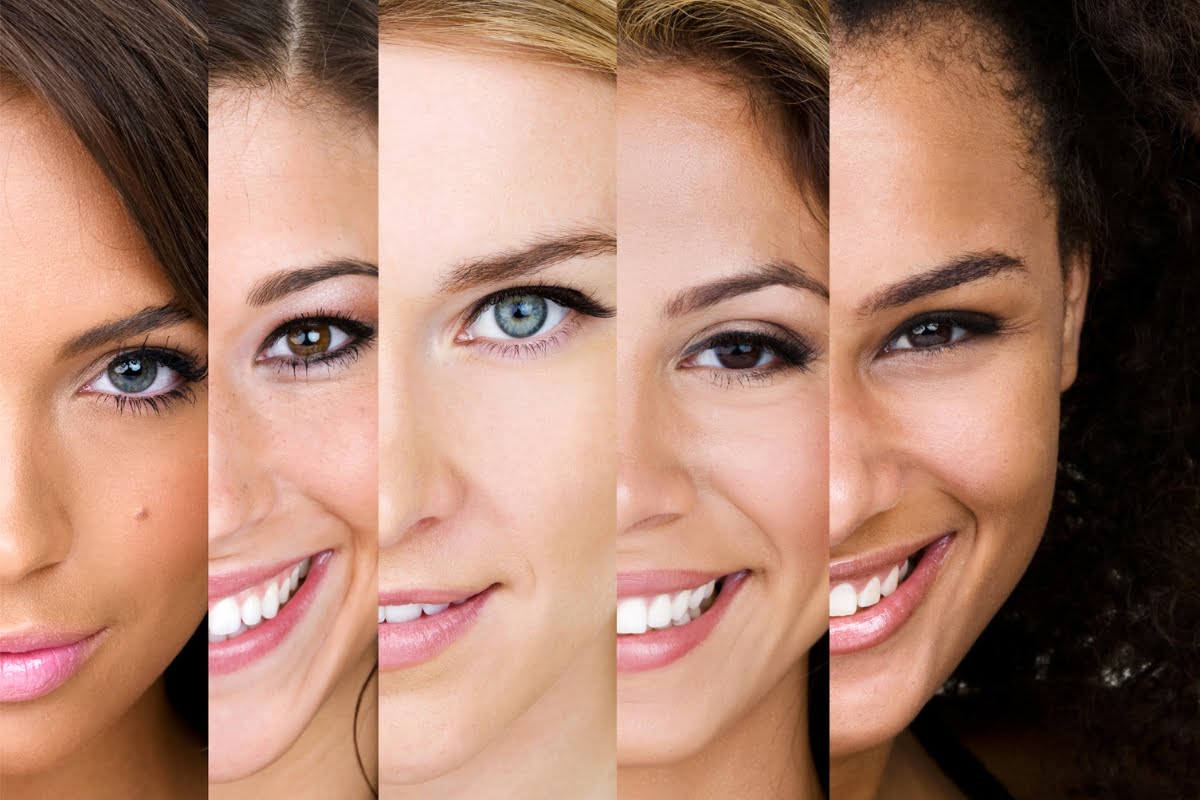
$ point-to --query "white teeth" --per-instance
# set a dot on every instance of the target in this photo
(843, 601)
(382, 613)
(229, 618)
(655, 612)
(434, 608)
(890, 583)
(411, 611)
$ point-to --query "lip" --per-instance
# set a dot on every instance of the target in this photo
(230, 583)
(871, 626)
(34, 664)
(236, 654)
(639, 584)
(656, 649)
(407, 644)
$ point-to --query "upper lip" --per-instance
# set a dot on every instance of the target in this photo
(869, 562)
(29, 641)
(231, 582)
(403, 597)
(648, 582)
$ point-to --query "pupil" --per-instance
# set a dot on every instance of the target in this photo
(931, 334)
(739, 356)
(521, 316)
(309, 340)
(132, 375)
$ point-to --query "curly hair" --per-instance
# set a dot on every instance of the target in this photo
(1101, 638)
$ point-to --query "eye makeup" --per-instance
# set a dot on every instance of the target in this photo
(935, 332)
(322, 338)
(146, 378)
(528, 321)
(744, 356)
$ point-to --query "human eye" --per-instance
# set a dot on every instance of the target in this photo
(320, 339)
(938, 330)
(749, 356)
(147, 378)
(528, 321)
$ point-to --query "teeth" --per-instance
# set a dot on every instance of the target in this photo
(844, 600)
(411, 611)
(637, 615)
(234, 615)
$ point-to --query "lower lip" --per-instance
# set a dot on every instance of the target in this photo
(33, 673)
(643, 651)
(406, 644)
(238, 653)
(871, 626)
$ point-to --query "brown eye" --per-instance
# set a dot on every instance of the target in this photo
(309, 339)
(931, 334)
(745, 355)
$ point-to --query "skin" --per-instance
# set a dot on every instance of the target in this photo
(931, 163)
(293, 471)
(481, 443)
(704, 195)
(102, 511)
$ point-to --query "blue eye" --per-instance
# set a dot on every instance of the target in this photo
(517, 316)
(148, 377)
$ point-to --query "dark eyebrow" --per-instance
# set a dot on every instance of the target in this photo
(144, 321)
(775, 273)
(955, 272)
(289, 281)
(541, 254)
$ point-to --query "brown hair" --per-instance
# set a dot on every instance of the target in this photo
(777, 50)
(307, 49)
(129, 81)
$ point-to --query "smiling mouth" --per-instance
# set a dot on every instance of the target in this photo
(639, 615)
(240, 613)
(848, 597)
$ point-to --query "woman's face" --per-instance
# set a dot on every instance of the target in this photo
(293, 319)
(102, 399)
(954, 331)
(723, 422)
(498, 209)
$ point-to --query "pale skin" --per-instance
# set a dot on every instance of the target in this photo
(103, 503)
(293, 469)
(929, 164)
(498, 450)
(705, 196)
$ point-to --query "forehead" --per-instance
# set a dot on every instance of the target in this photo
(701, 186)
(288, 185)
(927, 160)
(479, 151)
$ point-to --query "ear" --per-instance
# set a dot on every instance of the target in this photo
(1075, 291)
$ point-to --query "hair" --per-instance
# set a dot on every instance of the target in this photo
(1101, 639)
(307, 50)
(575, 33)
(130, 84)
(777, 51)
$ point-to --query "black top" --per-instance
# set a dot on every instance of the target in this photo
(957, 762)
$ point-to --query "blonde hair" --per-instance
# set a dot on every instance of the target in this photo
(777, 51)
(578, 33)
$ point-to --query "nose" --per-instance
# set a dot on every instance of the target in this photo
(654, 485)
(864, 474)
(241, 493)
(35, 531)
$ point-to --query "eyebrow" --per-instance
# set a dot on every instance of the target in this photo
(955, 272)
(543, 253)
(289, 281)
(144, 321)
(774, 273)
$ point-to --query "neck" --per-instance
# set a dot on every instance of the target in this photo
(765, 753)
(859, 775)
(324, 761)
(169, 759)
(562, 746)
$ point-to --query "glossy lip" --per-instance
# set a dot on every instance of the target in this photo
(407, 644)
(871, 626)
(653, 650)
(230, 583)
(649, 582)
(33, 664)
(235, 654)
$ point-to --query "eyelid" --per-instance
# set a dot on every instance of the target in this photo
(573, 299)
(974, 322)
(777, 337)
(358, 331)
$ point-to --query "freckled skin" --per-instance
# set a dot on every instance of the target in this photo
(73, 558)
(925, 167)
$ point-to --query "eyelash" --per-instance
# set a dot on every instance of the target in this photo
(361, 335)
(190, 369)
(793, 352)
(537, 345)
(973, 324)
